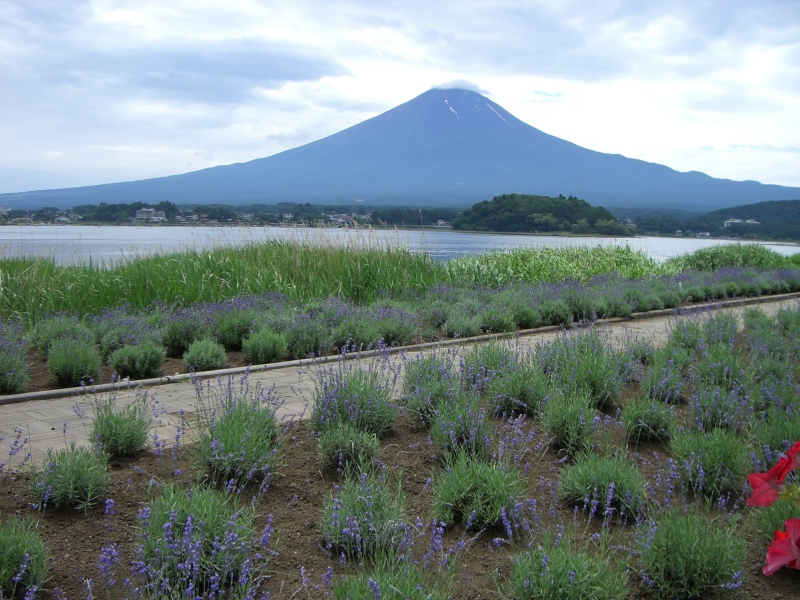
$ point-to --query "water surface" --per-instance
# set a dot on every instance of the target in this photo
(73, 244)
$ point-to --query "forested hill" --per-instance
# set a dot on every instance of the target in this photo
(776, 211)
(524, 213)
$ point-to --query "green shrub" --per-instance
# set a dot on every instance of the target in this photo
(715, 463)
(609, 486)
(569, 421)
(232, 327)
(179, 333)
(459, 325)
(56, 328)
(24, 559)
(204, 355)
(562, 572)
(645, 420)
(345, 447)
(690, 556)
(358, 396)
(478, 493)
(716, 257)
(190, 537)
(265, 347)
(719, 366)
(687, 334)
(73, 362)
(121, 430)
(240, 442)
(138, 362)
(364, 518)
(496, 320)
(74, 477)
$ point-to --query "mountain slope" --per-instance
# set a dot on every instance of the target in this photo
(444, 147)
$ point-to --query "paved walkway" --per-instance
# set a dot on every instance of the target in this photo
(52, 422)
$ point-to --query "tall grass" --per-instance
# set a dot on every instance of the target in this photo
(306, 270)
(550, 265)
(728, 255)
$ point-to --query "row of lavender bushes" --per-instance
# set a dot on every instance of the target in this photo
(271, 327)
(718, 403)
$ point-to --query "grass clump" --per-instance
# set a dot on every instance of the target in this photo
(73, 362)
(204, 355)
(121, 430)
(142, 361)
(24, 559)
(364, 517)
(646, 420)
(564, 572)
(345, 446)
(73, 477)
(714, 463)
(569, 421)
(191, 538)
(359, 396)
(265, 347)
(477, 493)
(609, 486)
(690, 556)
(727, 255)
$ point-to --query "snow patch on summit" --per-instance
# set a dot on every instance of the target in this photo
(451, 108)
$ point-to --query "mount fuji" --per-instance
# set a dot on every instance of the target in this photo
(445, 147)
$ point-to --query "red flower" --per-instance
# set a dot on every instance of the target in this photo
(784, 551)
(767, 486)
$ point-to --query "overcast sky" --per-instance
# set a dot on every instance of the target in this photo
(99, 91)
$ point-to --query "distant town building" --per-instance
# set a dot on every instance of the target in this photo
(730, 222)
(150, 215)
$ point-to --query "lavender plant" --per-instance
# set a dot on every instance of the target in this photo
(231, 327)
(204, 355)
(364, 517)
(73, 362)
(690, 556)
(609, 487)
(199, 542)
(141, 361)
(712, 407)
(569, 420)
(645, 419)
(361, 397)
(665, 379)
(715, 463)
(345, 447)
(521, 390)
(13, 364)
(57, 327)
(265, 347)
(475, 492)
(24, 559)
(73, 477)
(460, 425)
(560, 570)
(392, 579)
(121, 430)
(238, 432)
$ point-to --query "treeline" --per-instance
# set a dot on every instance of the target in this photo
(778, 220)
(412, 217)
(543, 214)
(121, 213)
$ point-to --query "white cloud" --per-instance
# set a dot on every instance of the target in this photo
(107, 90)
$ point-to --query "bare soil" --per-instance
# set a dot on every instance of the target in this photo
(296, 497)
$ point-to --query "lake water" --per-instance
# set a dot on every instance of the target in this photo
(80, 243)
